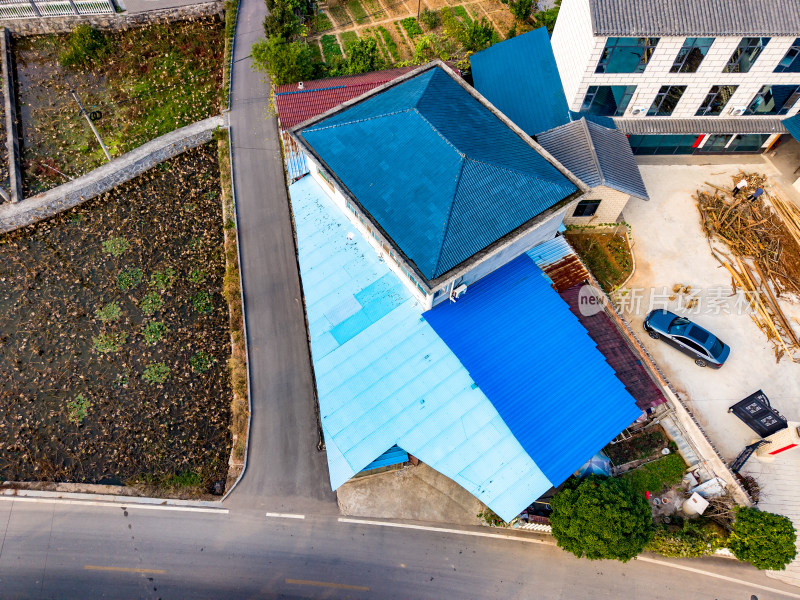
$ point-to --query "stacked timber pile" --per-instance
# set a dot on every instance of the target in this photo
(763, 252)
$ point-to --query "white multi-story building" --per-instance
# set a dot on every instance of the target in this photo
(683, 76)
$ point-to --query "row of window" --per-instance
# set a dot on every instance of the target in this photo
(631, 55)
(613, 100)
(690, 143)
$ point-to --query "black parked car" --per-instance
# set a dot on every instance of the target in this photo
(703, 346)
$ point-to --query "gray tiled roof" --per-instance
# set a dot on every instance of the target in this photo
(597, 155)
(695, 17)
(700, 125)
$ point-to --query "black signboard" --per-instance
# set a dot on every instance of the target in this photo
(756, 412)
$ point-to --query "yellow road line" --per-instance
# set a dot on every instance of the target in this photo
(338, 586)
(123, 569)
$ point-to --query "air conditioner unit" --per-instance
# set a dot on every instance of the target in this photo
(638, 110)
(458, 291)
(739, 110)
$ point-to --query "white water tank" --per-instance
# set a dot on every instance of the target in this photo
(695, 505)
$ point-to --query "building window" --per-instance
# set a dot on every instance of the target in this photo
(586, 208)
(666, 100)
(715, 101)
(716, 143)
(664, 144)
(422, 289)
(691, 54)
(626, 55)
(745, 54)
(790, 62)
(774, 100)
(751, 142)
(607, 100)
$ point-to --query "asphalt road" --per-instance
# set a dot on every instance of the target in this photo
(56, 550)
(285, 471)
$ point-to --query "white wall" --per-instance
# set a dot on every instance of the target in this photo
(612, 203)
(573, 43)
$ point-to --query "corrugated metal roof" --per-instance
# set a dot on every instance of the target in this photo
(393, 456)
(560, 264)
(695, 17)
(385, 378)
(520, 78)
(295, 105)
(699, 125)
(440, 174)
(597, 155)
(535, 361)
(792, 125)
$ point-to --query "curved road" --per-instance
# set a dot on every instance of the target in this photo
(285, 471)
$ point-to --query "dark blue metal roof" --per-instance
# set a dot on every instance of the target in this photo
(441, 174)
(520, 78)
(792, 125)
(393, 456)
(537, 365)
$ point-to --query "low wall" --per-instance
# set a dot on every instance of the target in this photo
(118, 171)
(12, 119)
(114, 21)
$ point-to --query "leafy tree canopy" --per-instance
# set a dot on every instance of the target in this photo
(363, 56)
(284, 62)
(282, 20)
(521, 9)
(601, 518)
(765, 540)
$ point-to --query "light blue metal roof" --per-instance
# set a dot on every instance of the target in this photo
(436, 169)
(520, 78)
(384, 377)
(543, 373)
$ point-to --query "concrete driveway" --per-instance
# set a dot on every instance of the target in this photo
(670, 248)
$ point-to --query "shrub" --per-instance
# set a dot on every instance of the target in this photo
(129, 279)
(491, 518)
(521, 9)
(162, 280)
(156, 373)
(322, 22)
(363, 56)
(85, 45)
(116, 246)
(697, 537)
(547, 18)
(201, 362)
(411, 26)
(657, 475)
(348, 39)
(765, 540)
(284, 62)
(282, 22)
(153, 332)
(78, 408)
(202, 302)
(601, 518)
(330, 47)
(430, 18)
(151, 303)
(108, 343)
(390, 43)
(110, 312)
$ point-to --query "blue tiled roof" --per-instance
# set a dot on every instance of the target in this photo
(543, 373)
(441, 175)
(520, 78)
(792, 125)
(385, 378)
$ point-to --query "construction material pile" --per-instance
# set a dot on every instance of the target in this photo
(762, 237)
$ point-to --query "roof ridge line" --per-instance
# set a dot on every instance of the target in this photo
(464, 159)
(380, 116)
(427, 85)
(596, 160)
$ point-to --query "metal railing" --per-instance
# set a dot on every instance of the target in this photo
(37, 9)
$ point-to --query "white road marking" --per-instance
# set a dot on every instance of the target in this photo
(717, 576)
(129, 506)
(552, 543)
(285, 515)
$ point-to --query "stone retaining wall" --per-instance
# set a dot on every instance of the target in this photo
(113, 21)
(118, 171)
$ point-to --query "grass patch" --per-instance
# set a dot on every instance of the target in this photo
(129, 279)
(411, 26)
(330, 47)
(316, 51)
(151, 303)
(202, 303)
(606, 255)
(162, 280)
(109, 343)
(462, 14)
(231, 9)
(197, 276)
(77, 409)
(201, 362)
(358, 12)
(348, 38)
(339, 15)
(399, 29)
(157, 373)
(391, 46)
(150, 81)
(110, 312)
(658, 475)
(321, 22)
(153, 331)
(374, 9)
(116, 246)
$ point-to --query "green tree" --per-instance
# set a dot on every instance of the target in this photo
(282, 20)
(363, 56)
(765, 540)
(478, 35)
(547, 18)
(521, 9)
(601, 518)
(284, 62)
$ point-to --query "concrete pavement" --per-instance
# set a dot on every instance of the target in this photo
(285, 471)
(55, 550)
